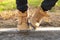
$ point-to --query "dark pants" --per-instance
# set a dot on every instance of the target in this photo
(48, 4)
(22, 5)
(45, 5)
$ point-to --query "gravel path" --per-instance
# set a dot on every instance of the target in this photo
(53, 35)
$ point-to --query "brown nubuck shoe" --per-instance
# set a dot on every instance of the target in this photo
(38, 17)
(22, 21)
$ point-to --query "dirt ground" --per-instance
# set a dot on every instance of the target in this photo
(12, 20)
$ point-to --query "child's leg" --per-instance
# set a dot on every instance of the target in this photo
(48, 4)
(22, 14)
(22, 5)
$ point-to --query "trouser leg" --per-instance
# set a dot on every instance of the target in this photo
(48, 4)
(22, 5)
(22, 15)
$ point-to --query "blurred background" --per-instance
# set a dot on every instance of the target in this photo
(8, 13)
(11, 4)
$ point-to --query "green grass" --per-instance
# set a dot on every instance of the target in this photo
(34, 2)
(58, 3)
(11, 4)
(7, 5)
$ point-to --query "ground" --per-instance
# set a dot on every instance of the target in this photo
(52, 35)
(9, 19)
